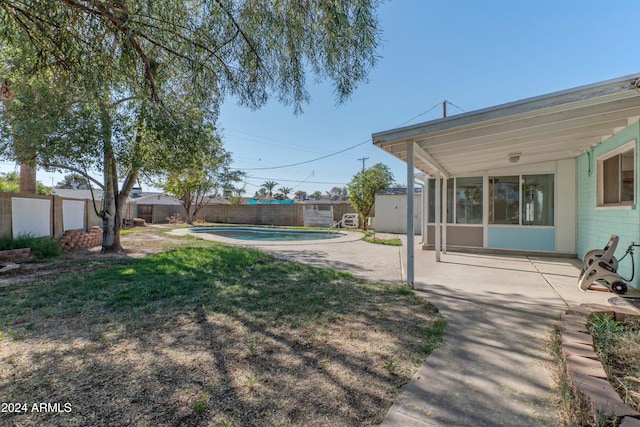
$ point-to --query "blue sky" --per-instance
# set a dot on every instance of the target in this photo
(472, 54)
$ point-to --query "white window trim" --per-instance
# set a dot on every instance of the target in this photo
(520, 183)
(600, 205)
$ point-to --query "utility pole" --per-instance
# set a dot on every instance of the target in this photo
(444, 108)
(363, 159)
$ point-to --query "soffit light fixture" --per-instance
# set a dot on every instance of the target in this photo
(513, 157)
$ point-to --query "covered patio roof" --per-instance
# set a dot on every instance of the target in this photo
(555, 126)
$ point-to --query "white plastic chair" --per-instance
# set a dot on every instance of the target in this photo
(349, 220)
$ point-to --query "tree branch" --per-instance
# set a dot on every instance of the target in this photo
(71, 168)
(121, 26)
(243, 34)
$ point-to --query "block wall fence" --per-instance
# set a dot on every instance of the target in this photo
(282, 215)
(56, 228)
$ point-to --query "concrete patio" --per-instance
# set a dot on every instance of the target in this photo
(495, 368)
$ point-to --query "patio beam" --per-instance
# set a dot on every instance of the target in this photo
(426, 158)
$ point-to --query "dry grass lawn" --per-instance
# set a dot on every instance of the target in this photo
(182, 332)
(618, 346)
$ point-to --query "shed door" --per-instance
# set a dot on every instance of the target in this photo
(146, 212)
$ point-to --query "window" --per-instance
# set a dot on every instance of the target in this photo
(504, 200)
(513, 200)
(464, 200)
(521, 200)
(469, 200)
(432, 200)
(537, 200)
(616, 176)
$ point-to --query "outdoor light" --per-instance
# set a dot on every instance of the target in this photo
(513, 158)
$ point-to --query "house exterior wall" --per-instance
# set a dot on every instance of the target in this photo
(468, 236)
(597, 224)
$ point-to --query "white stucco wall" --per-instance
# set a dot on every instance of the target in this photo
(73, 214)
(30, 216)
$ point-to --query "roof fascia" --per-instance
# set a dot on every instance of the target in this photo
(609, 87)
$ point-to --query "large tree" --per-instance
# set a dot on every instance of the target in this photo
(128, 63)
(203, 178)
(364, 186)
(73, 181)
(269, 186)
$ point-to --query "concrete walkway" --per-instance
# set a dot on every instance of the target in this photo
(494, 369)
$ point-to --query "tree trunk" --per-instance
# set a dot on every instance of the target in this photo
(364, 219)
(186, 204)
(27, 179)
(111, 215)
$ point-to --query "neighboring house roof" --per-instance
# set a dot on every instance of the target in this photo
(164, 199)
(255, 201)
(139, 198)
(397, 191)
(77, 194)
(154, 199)
(555, 126)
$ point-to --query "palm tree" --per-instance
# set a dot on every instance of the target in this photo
(269, 186)
(285, 191)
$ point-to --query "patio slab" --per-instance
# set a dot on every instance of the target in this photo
(494, 368)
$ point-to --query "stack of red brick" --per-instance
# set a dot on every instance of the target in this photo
(76, 239)
(17, 255)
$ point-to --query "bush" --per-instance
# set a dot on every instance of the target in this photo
(42, 247)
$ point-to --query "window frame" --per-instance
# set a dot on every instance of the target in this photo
(452, 211)
(521, 181)
(600, 184)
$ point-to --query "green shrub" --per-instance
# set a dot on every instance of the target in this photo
(371, 238)
(42, 247)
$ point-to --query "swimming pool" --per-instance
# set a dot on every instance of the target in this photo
(268, 234)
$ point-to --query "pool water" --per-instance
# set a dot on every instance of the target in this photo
(268, 234)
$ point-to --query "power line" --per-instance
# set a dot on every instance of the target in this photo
(299, 182)
(444, 106)
(348, 148)
(309, 161)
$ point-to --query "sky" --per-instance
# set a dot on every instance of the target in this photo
(472, 54)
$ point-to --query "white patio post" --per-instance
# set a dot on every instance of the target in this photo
(445, 203)
(438, 231)
(410, 234)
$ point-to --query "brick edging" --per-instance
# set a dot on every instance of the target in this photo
(584, 368)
